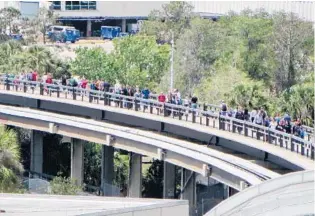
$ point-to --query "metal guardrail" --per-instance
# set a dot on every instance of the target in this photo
(204, 106)
(204, 116)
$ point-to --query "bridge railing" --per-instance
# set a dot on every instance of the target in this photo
(204, 106)
(202, 116)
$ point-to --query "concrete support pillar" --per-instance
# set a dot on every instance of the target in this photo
(123, 25)
(135, 175)
(89, 28)
(226, 192)
(63, 5)
(169, 181)
(188, 186)
(37, 151)
(77, 160)
(107, 172)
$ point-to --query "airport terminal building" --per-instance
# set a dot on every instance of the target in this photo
(89, 16)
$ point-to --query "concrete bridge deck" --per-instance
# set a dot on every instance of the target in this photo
(292, 157)
(179, 152)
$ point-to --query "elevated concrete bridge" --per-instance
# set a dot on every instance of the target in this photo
(238, 153)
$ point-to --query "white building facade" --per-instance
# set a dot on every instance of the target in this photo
(89, 16)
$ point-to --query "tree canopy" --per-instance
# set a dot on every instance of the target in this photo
(10, 165)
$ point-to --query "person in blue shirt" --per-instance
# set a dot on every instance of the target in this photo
(145, 93)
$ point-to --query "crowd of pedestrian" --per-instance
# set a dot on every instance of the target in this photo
(259, 116)
(172, 97)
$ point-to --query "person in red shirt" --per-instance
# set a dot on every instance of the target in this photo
(84, 83)
(162, 99)
(49, 80)
(34, 75)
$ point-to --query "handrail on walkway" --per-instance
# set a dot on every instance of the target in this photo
(203, 116)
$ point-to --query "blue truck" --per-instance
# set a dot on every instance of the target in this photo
(64, 34)
(110, 32)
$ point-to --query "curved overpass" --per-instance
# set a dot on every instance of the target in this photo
(279, 148)
(223, 167)
(291, 194)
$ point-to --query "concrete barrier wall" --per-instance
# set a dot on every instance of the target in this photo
(178, 207)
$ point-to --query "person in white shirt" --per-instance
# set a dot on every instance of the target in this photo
(253, 113)
(259, 118)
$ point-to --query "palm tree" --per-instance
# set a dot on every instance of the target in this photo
(10, 166)
(40, 58)
(7, 50)
(299, 102)
(247, 95)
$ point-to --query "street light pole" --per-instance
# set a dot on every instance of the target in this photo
(172, 62)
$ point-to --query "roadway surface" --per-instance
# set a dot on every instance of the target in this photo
(292, 157)
(52, 205)
(195, 156)
(291, 194)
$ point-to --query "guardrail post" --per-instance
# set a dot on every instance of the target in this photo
(7, 84)
(105, 99)
(136, 104)
(164, 110)
(207, 120)
(312, 152)
(151, 108)
(24, 87)
(90, 97)
(281, 141)
(16, 86)
(179, 114)
(233, 126)
(41, 89)
(257, 134)
(291, 143)
(74, 94)
(302, 149)
(269, 137)
(204, 107)
(194, 116)
(58, 91)
(245, 129)
(121, 102)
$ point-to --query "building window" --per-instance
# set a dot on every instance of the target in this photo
(56, 5)
(80, 5)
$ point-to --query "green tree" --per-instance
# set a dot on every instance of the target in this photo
(196, 52)
(7, 51)
(223, 80)
(33, 58)
(153, 180)
(293, 44)
(173, 16)
(140, 61)
(64, 186)
(8, 19)
(94, 63)
(10, 166)
(248, 95)
(121, 169)
(35, 28)
(92, 164)
(44, 18)
(248, 38)
(298, 100)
